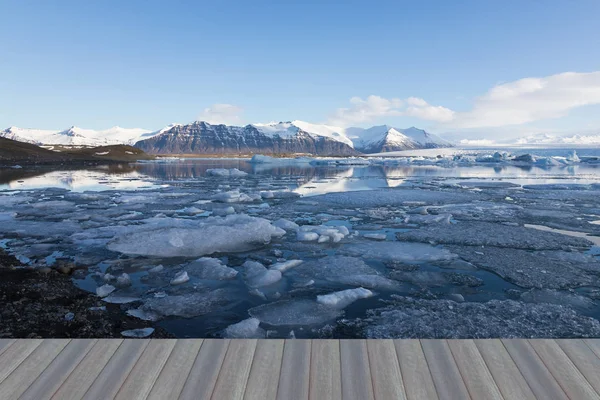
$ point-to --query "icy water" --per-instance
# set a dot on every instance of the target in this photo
(414, 250)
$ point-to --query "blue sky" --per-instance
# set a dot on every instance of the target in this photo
(432, 64)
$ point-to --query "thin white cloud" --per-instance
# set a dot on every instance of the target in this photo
(531, 99)
(377, 107)
(222, 114)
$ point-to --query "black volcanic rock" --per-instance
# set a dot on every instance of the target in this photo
(203, 138)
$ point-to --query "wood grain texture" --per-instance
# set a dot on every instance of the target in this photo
(594, 345)
(385, 370)
(505, 372)
(266, 368)
(444, 371)
(14, 355)
(58, 370)
(205, 371)
(233, 377)
(107, 384)
(584, 359)
(539, 379)
(418, 383)
(80, 380)
(564, 371)
(325, 370)
(356, 374)
(174, 374)
(474, 371)
(27, 372)
(294, 379)
(146, 370)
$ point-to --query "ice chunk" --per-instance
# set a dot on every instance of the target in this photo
(234, 233)
(294, 313)
(489, 234)
(105, 290)
(143, 315)
(235, 196)
(210, 268)
(222, 172)
(113, 299)
(445, 319)
(344, 298)
(304, 236)
(138, 333)
(397, 251)
(375, 236)
(246, 329)
(123, 280)
(180, 277)
(156, 270)
(285, 265)
(258, 276)
(286, 225)
(188, 305)
(322, 233)
(428, 219)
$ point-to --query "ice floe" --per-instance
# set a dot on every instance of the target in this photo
(344, 298)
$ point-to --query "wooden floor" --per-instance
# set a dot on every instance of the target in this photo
(299, 369)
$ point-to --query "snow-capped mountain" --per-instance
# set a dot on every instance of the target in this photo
(276, 138)
(384, 138)
(271, 138)
(546, 139)
(75, 136)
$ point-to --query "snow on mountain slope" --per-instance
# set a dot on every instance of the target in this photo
(290, 128)
(387, 138)
(75, 136)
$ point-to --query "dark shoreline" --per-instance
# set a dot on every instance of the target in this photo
(35, 303)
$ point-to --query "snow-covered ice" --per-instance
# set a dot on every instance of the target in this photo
(344, 298)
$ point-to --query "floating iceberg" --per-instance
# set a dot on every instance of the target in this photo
(344, 298)
(231, 173)
(234, 233)
(258, 276)
(294, 313)
(210, 268)
(246, 329)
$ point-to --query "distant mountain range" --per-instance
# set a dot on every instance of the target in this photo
(273, 138)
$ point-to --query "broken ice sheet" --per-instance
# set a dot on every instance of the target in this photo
(398, 251)
(294, 313)
(445, 319)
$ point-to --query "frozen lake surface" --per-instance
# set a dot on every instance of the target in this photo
(421, 247)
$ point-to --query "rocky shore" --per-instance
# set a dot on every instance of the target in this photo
(46, 304)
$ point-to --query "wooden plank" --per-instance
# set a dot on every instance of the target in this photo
(472, 367)
(204, 373)
(5, 344)
(294, 379)
(540, 380)
(172, 378)
(418, 383)
(88, 370)
(231, 383)
(148, 367)
(28, 371)
(266, 367)
(444, 371)
(58, 370)
(325, 370)
(584, 359)
(356, 374)
(562, 368)
(594, 344)
(505, 372)
(108, 383)
(385, 370)
(14, 355)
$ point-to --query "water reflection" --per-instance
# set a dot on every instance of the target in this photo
(307, 179)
